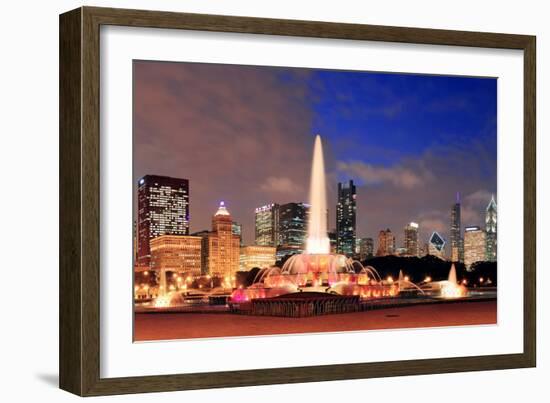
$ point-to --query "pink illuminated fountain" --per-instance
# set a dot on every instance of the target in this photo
(318, 270)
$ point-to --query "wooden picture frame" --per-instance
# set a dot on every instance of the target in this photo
(79, 347)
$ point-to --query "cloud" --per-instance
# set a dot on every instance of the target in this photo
(397, 176)
(473, 207)
(479, 196)
(280, 185)
(430, 225)
(228, 129)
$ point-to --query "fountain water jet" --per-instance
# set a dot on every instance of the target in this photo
(317, 239)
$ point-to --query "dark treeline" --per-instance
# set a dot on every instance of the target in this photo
(419, 268)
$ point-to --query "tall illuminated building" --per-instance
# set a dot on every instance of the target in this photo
(220, 246)
(386, 243)
(267, 225)
(456, 236)
(163, 209)
(346, 211)
(491, 230)
(436, 246)
(292, 231)
(474, 245)
(411, 239)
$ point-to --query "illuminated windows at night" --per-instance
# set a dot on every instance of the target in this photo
(163, 209)
(346, 212)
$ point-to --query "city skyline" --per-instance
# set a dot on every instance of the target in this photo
(268, 227)
(270, 163)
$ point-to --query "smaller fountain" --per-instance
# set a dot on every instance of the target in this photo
(165, 298)
(450, 288)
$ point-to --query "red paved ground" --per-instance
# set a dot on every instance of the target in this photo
(194, 325)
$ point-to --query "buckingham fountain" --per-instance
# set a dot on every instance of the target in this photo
(317, 271)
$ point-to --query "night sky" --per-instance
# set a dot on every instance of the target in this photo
(244, 134)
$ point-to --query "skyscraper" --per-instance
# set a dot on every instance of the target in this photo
(163, 209)
(346, 218)
(220, 247)
(474, 245)
(411, 239)
(436, 246)
(267, 225)
(386, 243)
(491, 230)
(292, 228)
(456, 236)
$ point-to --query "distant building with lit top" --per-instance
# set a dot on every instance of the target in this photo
(436, 246)
(220, 246)
(257, 256)
(292, 231)
(491, 230)
(163, 209)
(386, 243)
(346, 211)
(267, 225)
(474, 245)
(411, 239)
(177, 253)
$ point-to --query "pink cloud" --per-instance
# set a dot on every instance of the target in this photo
(281, 185)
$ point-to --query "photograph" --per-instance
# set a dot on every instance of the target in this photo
(284, 200)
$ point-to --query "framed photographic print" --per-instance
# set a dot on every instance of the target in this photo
(255, 201)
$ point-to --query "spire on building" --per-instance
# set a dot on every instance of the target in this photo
(222, 210)
(492, 204)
